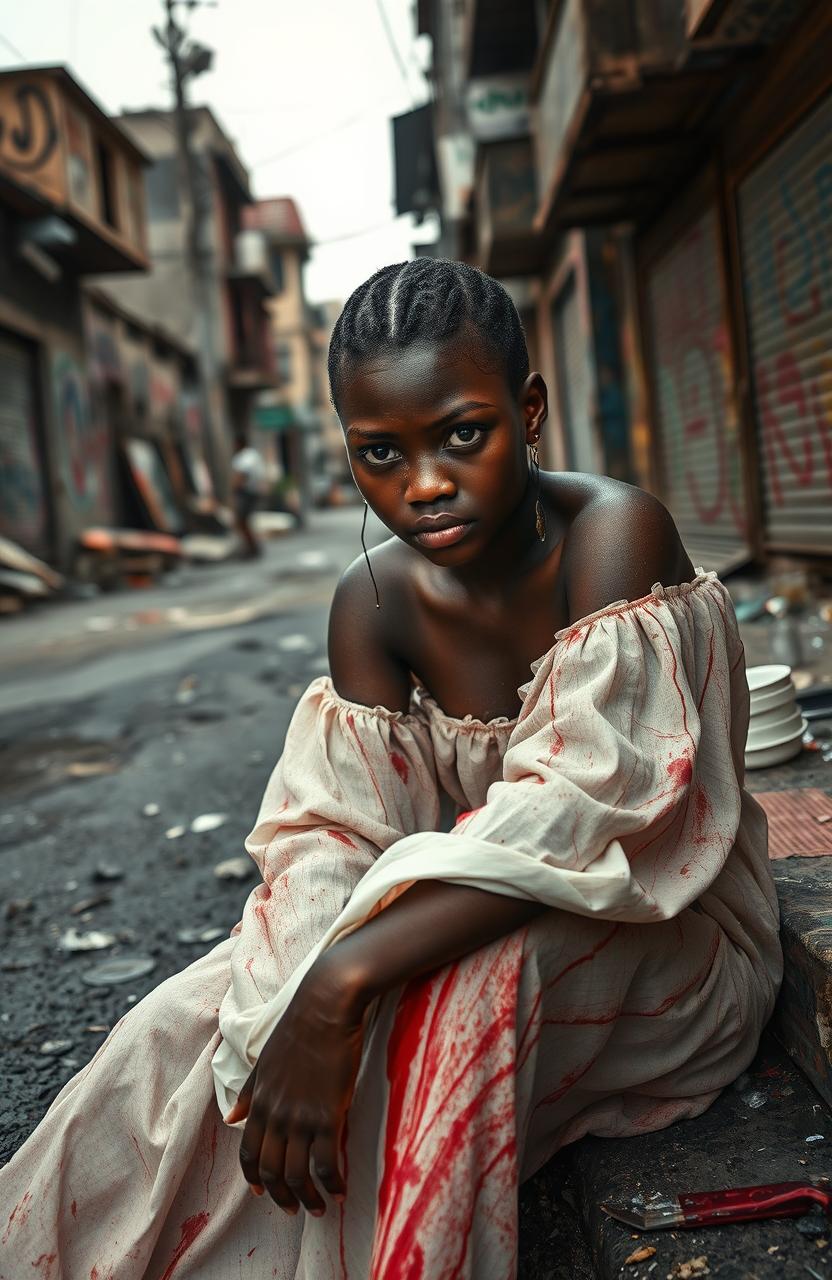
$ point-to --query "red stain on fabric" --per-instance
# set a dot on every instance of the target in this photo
(190, 1229)
(248, 967)
(213, 1155)
(73, 1209)
(400, 765)
(556, 745)
(19, 1215)
(342, 838)
(507, 1152)
(139, 1153)
(485, 1111)
(263, 924)
(45, 1262)
(681, 771)
(250, 1252)
(524, 1048)
(368, 767)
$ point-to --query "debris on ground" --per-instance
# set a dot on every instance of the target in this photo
(95, 940)
(234, 869)
(190, 936)
(639, 1255)
(107, 871)
(90, 768)
(208, 822)
(151, 810)
(89, 904)
(18, 907)
(693, 1267)
(51, 1048)
(119, 969)
(173, 833)
(815, 1137)
(755, 1099)
(186, 691)
(296, 643)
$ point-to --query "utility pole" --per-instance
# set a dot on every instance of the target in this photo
(188, 58)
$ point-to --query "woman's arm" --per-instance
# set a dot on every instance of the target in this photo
(430, 925)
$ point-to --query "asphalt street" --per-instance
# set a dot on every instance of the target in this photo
(122, 719)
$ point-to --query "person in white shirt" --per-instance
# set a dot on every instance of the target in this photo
(247, 476)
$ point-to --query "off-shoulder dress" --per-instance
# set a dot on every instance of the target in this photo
(616, 798)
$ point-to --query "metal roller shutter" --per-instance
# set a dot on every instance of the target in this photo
(785, 211)
(23, 512)
(574, 374)
(695, 417)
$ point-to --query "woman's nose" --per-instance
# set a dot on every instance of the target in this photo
(427, 482)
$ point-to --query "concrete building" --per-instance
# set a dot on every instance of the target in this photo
(651, 180)
(234, 263)
(289, 418)
(71, 205)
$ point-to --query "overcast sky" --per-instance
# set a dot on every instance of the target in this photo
(304, 87)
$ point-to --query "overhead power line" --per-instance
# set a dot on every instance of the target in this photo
(12, 48)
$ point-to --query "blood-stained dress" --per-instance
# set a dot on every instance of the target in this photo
(616, 798)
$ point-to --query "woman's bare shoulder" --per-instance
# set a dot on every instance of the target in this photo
(362, 637)
(621, 541)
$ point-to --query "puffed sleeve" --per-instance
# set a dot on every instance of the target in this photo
(352, 781)
(621, 794)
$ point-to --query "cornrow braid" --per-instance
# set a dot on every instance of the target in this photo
(428, 299)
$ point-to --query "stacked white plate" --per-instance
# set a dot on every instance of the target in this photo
(776, 727)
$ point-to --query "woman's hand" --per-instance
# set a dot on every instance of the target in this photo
(297, 1097)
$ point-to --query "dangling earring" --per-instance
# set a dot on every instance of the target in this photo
(539, 517)
(366, 556)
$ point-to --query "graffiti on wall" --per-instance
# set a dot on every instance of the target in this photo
(786, 221)
(84, 444)
(693, 378)
(28, 132)
(23, 514)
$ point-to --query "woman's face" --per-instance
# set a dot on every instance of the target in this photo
(438, 446)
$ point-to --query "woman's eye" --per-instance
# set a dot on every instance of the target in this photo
(378, 454)
(464, 435)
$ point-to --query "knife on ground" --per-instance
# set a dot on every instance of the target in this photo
(712, 1208)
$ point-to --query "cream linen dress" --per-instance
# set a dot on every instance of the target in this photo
(617, 799)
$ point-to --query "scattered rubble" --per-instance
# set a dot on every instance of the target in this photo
(107, 871)
(639, 1255)
(52, 1048)
(151, 810)
(208, 822)
(693, 1267)
(89, 904)
(95, 940)
(174, 833)
(234, 869)
(190, 936)
(118, 969)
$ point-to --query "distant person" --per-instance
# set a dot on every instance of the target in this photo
(247, 478)
(408, 1020)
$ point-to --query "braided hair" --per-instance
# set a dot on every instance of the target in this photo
(427, 300)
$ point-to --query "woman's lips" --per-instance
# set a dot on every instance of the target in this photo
(442, 537)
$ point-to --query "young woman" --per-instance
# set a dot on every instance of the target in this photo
(411, 1019)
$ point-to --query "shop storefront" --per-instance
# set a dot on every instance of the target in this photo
(23, 487)
(735, 315)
